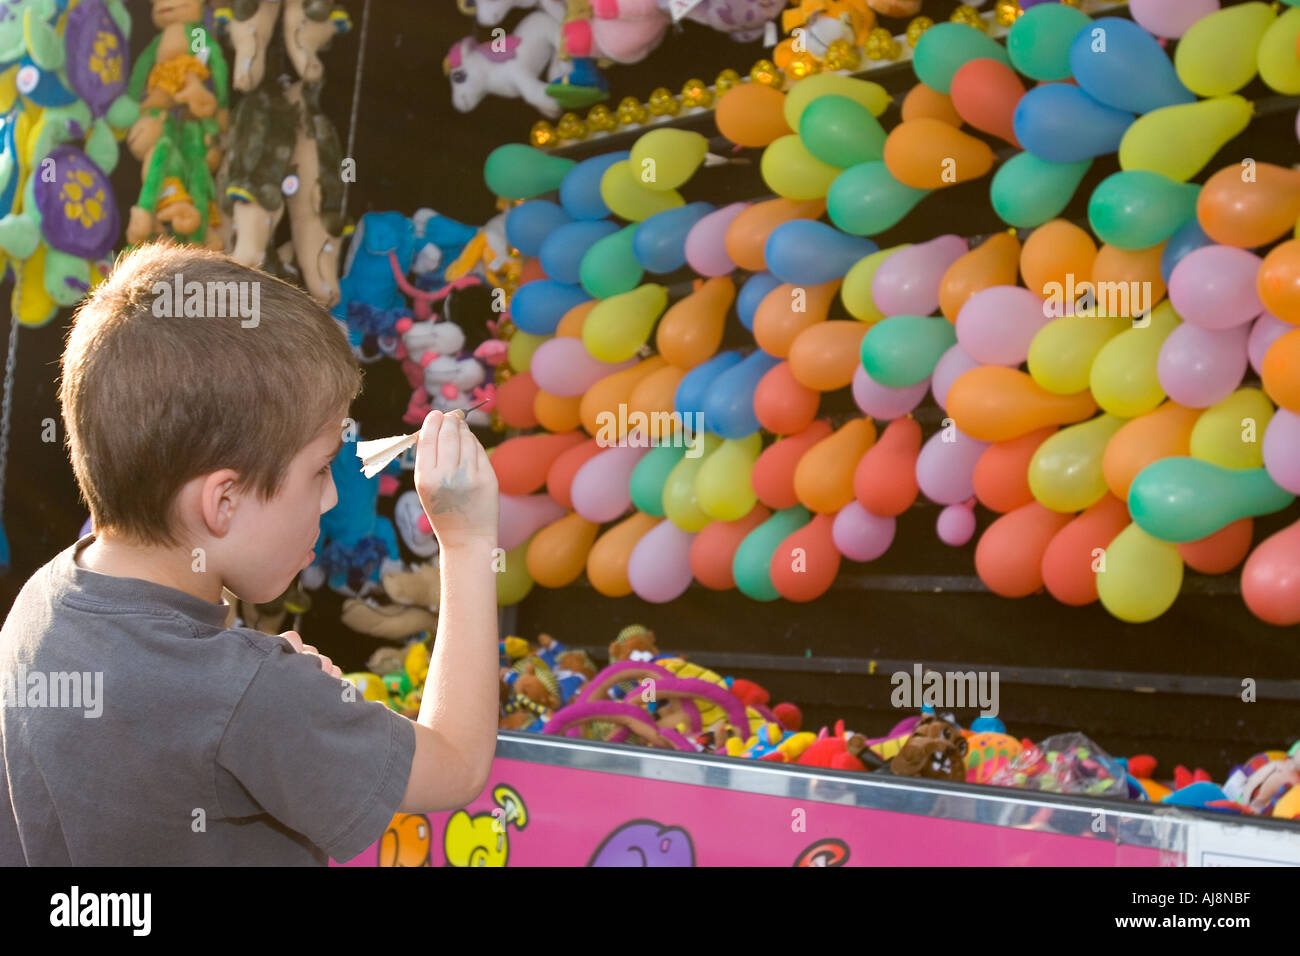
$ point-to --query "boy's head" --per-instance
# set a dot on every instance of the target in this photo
(192, 425)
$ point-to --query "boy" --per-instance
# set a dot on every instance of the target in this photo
(202, 445)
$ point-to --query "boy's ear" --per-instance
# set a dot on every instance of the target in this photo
(218, 499)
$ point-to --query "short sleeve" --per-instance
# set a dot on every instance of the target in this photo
(322, 760)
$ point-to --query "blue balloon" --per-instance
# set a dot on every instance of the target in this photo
(580, 188)
(695, 384)
(1063, 124)
(1189, 237)
(729, 404)
(753, 292)
(538, 306)
(808, 252)
(1119, 64)
(660, 243)
(529, 223)
(561, 254)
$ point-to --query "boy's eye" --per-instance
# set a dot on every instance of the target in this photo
(324, 471)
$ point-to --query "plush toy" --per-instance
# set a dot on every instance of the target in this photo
(936, 749)
(822, 23)
(411, 606)
(838, 751)
(987, 753)
(315, 196)
(309, 27)
(508, 66)
(491, 12)
(249, 25)
(742, 20)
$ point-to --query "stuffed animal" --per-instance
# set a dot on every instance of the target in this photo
(508, 67)
(249, 25)
(491, 12)
(309, 27)
(413, 525)
(936, 749)
(742, 20)
(838, 751)
(823, 22)
(315, 198)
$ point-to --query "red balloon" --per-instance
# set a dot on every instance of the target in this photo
(1002, 473)
(804, 565)
(884, 481)
(1270, 581)
(781, 404)
(559, 477)
(713, 549)
(1068, 568)
(521, 463)
(514, 403)
(985, 93)
(531, 269)
(773, 474)
(1222, 551)
(1009, 556)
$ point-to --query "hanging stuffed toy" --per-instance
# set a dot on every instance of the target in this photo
(508, 66)
(314, 196)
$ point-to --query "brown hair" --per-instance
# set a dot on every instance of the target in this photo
(154, 397)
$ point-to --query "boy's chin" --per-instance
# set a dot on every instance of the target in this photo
(261, 590)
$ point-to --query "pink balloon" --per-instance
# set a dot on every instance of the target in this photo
(659, 568)
(706, 250)
(956, 524)
(1170, 18)
(522, 515)
(1265, 330)
(564, 367)
(1214, 287)
(1270, 579)
(951, 366)
(945, 470)
(861, 536)
(600, 488)
(907, 283)
(1198, 367)
(997, 324)
(1282, 450)
(883, 402)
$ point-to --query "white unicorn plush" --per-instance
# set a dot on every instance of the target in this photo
(491, 12)
(508, 66)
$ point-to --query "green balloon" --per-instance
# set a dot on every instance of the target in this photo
(866, 199)
(946, 47)
(903, 349)
(1039, 41)
(752, 565)
(516, 171)
(513, 581)
(649, 477)
(1028, 191)
(1138, 209)
(841, 132)
(609, 267)
(1184, 499)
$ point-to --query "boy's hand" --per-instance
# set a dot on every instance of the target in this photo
(327, 665)
(455, 481)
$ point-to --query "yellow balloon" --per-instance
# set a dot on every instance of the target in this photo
(1279, 66)
(1123, 377)
(1177, 141)
(519, 353)
(666, 158)
(791, 171)
(1063, 350)
(1231, 433)
(621, 324)
(722, 486)
(856, 291)
(1065, 472)
(1141, 576)
(513, 580)
(680, 504)
(1217, 54)
(626, 197)
(868, 94)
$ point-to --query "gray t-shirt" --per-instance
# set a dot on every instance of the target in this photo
(177, 741)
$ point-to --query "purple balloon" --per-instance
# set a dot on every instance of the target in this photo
(1282, 450)
(907, 283)
(1168, 18)
(1266, 330)
(945, 470)
(564, 367)
(659, 568)
(956, 525)
(706, 247)
(600, 490)
(953, 364)
(996, 324)
(522, 515)
(1214, 287)
(859, 535)
(881, 401)
(1198, 367)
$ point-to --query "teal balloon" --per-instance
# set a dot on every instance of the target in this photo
(841, 131)
(516, 171)
(1039, 41)
(1138, 209)
(751, 566)
(1028, 191)
(946, 47)
(902, 350)
(1185, 499)
(649, 477)
(610, 266)
(866, 199)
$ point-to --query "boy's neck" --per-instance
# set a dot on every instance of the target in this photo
(170, 568)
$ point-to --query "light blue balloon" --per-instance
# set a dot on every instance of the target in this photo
(562, 251)
(580, 188)
(660, 243)
(1119, 64)
(1063, 124)
(1189, 237)
(1028, 191)
(538, 306)
(729, 404)
(529, 223)
(808, 252)
(753, 292)
(695, 384)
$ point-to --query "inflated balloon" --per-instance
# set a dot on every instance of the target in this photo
(531, 270)
(825, 356)
(929, 154)
(714, 549)
(706, 249)
(1125, 377)
(955, 525)
(680, 503)
(691, 330)
(752, 293)
(751, 567)
(1027, 191)
(659, 244)
(1217, 54)
(1001, 476)
(1264, 331)
(1229, 433)
(1187, 239)
(1249, 204)
(1198, 367)
(860, 535)
(1141, 576)
(699, 381)
(908, 282)
(1061, 355)
(600, 488)
(521, 463)
(951, 366)
(513, 580)
(1270, 581)
(571, 325)
(557, 414)
(923, 101)
(1170, 18)
(1118, 63)
(519, 353)
(1038, 43)
(791, 171)
(558, 553)
(781, 404)
(654, 396)
(1061, 123)
(864, 92)
(1276, 55)
(729, 405)
(516, 171)
(997, 324)
(1278, 282)
(808, 252)
(580, 190)
(1056, 256)
(1125, 282)
(1183, 499)
(881, 401)
(629, 198)
(607, 562)
(884, 482)
(773, 472)
(1178, 141)
(903, 349)
(1065, 473)
(621, 324)
(823, 479)
(599, 404)
(945, 468)
(659, 569)
(985, 93)
(1214, 287)
(537, 307)
(752, 114)
(1163, 433)
(1009, 555)
(723, 489)
(1281, 450)
(514, 401)
(947, 47)
(788, 310)
(1137, 209)
(562, 251)
(646, 485)
(859, 282)
(746, 238)
(559, 477)
(804, 565)
(523, 515)
(666, 158)
(993, 403)
(1220, 552)
(996, 261)
(841, 132)
(564, 367)
(610, 266)
(529, 223)
(867, 199)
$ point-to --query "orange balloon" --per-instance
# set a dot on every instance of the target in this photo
(751, 114)
(1009, 556)
(746, 237)
(884, 481)
(1278, 282)
(1222, 551)
(1234, 212)
(613, 390)
(530, 270)
(781, 404)
(559, 477)
(985, 93)
(691, 330)
(655, 393)
(823, 479)
(607, 560)
(514, 404)
(1129, 266)
(996, 261)
(558, 553)
(1053, 251)
(1270, 581)
(992, 403)
(1002, 472)
(773, 474)
(1068, 562)
(825, 355)
(1280, 371)
(924, 101)
(804, 565)
(789, 309)
(713, 549)
(1163, 433)
(927, 153)
(556, 413)
(571, 325)
(521, 463)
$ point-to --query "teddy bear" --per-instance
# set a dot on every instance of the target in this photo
(936, 750)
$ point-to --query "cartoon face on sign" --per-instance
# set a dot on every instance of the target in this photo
(645, 843)
(406, 841)
(482, 840)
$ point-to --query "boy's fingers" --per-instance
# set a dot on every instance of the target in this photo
(449, 443)
(294, 640)
(428, 440)
(469, 450)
